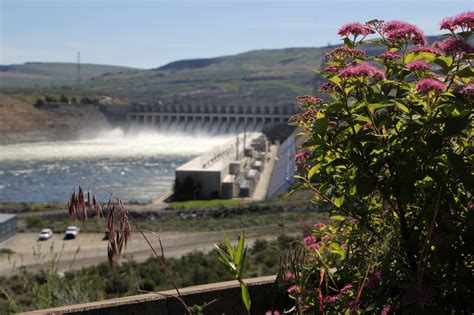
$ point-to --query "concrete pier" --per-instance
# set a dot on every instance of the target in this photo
(214, 119)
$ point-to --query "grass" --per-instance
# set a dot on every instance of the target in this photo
(282, 214)
(29, 207)
(204, 203)
(6, 251)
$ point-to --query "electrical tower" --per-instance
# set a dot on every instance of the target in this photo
(78, 69)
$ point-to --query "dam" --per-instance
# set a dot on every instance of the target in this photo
(208, 118)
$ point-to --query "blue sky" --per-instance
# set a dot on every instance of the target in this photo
(147, 34)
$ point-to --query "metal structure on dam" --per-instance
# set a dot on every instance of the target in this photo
(212, 119)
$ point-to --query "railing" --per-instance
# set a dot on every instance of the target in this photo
(222, 298)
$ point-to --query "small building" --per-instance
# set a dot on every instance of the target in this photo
(7, 226)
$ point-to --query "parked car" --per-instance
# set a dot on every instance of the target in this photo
(45, 234)
(71, 232)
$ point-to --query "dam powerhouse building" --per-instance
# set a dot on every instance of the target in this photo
(228, 171)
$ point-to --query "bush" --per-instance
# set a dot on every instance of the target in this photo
(391, 157)
(34, 222)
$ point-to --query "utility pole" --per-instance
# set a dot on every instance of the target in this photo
(237, 148)
(78, 69)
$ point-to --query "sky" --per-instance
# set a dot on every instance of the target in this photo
(148, 34)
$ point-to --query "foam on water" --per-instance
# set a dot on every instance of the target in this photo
(115, 143)
(138, 165)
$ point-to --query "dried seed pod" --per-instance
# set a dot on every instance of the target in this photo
(112, 252)
(97, 207)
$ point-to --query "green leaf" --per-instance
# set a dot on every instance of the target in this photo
(454, 126)
(313, 171)
(362, 118)
(336, 80)
(230, 249)
(364, 185)
(375, 106)
(321, 125)
(338, 201)
(402, 107)
(240, 248)
(348, 42)
(245, 296)
(337, 218)
(444, 62)
(242, 263)
(223, 254)
(466, 72)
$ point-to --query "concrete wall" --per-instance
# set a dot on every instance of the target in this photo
(210, 181)
(226, 297)
(285, 168)
(7, 228)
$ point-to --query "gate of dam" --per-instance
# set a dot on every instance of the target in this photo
(209, 119)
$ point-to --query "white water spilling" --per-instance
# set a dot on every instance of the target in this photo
(137, 165)
(114, 143)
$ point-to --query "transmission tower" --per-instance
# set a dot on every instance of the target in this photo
(78, 69)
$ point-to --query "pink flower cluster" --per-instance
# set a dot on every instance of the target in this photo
(403, 32)
(385, 310)
(427, 85)
(464, 21)
(328, 87)
(428, 49)
(272, 313)
(329, 299)
(354, 29)
(363, 69)
(418, 65)
(293, 288)
(319, 225)
(467, 92)
(307, 100)
(389, 56)
(331, 69)
(345, 52)
(302, 155)
(422, 296)
(454, 45)
(310, 241)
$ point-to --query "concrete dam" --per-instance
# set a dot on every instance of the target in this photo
(208, 119)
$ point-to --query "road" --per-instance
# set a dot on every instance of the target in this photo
(93, 250)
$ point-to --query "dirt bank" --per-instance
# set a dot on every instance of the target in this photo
(21, 121)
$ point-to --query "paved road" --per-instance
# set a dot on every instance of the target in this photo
(94, 250)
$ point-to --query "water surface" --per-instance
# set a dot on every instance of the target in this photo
(138, 166)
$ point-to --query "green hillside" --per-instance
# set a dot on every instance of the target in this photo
(260, 77)
(256, 77)
(47, 74)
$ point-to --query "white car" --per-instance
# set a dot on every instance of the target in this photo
(45, 234)
(71, 232)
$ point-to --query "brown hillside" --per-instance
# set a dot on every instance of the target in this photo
(18, 116)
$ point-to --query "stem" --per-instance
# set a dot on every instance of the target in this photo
(163, 265)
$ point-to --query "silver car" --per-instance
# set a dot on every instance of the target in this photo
(45, 234)
(71, 232)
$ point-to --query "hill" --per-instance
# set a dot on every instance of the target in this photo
(47, 74)
(255, 77)
(260, 77)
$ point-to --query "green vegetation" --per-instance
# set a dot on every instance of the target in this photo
(391, 157)
(29, 207)
(6, 251)
(204, 203)
(26, 291)
(38, 75)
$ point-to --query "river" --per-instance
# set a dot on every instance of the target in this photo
(138, 166)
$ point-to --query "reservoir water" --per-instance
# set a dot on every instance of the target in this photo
(138, 166)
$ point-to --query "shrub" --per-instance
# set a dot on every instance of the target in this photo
(391, 157)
